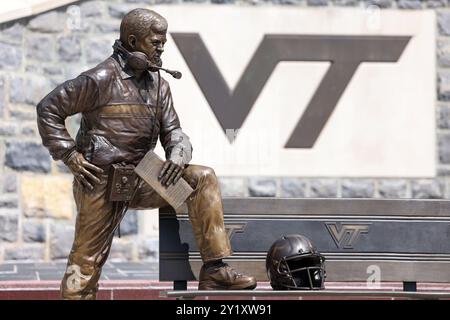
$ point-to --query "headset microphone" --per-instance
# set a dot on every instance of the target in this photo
(173, 73)
(139, 62)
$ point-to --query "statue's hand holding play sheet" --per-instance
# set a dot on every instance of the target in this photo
(149, 170)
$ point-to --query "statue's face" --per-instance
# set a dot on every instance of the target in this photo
(152, 45)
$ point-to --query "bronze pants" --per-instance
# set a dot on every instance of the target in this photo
(96, 222)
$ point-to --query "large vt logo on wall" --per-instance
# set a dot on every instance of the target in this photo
(344, 52)
(305, 92)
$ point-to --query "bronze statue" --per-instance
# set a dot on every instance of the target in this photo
(125, 105)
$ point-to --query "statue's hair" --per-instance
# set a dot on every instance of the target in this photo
(139, 22)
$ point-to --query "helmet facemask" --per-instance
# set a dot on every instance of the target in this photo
(303, 272)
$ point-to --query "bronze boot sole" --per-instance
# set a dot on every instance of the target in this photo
(211, 285)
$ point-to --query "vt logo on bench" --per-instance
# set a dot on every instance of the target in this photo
(345, 235)
(233, 228)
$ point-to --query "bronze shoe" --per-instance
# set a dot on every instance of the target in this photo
(224, 277)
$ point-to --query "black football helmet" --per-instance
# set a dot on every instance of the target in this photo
(293, 263)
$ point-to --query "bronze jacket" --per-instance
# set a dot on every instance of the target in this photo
(117, 124)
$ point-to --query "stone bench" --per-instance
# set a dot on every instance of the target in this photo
(369, 240)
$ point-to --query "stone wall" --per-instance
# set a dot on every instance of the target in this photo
(37, 212)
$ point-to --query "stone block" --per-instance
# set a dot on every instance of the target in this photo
(262, 187)
(323, 188)
(9, 227)
(27, 156)
(47, 196)
(233, 186)
(293, 188)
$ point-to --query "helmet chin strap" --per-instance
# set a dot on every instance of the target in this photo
(139, 62)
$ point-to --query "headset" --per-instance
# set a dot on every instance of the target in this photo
(138, 60)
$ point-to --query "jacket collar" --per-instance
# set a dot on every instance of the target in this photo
(124, 70)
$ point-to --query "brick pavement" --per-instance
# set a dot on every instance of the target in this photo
(55, 270)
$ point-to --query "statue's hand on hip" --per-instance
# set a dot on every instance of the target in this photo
(83, 171)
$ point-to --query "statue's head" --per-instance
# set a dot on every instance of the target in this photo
(145, 31)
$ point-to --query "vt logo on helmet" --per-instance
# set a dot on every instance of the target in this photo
(293, 263)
